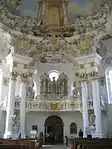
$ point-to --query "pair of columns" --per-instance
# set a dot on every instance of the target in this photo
(96, 105)
(11, 104)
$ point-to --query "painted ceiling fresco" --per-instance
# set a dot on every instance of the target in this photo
(76, 7)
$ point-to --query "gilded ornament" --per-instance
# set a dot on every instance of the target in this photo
(54, 39)
(24, 78)
(81, 66)
(55, 106)
(25, 66)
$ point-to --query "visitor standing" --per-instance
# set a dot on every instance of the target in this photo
(80, 133)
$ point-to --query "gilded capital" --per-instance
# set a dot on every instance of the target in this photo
(24, 77)
(13, 75)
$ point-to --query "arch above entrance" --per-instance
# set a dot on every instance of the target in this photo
(54, 119)
(54, 129)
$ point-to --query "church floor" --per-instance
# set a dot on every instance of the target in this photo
(54, 147)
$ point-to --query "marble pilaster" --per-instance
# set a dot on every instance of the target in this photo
(84, 86)
(1, 83)
(23, 104)
(97, 107)
(1, 90)
(10, 108)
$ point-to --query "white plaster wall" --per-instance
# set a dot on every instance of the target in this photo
(38, 118)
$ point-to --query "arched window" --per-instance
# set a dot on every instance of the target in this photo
(108, 74)
(73, 128)
(53, 74)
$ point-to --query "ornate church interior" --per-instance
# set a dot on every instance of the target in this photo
(55, 68)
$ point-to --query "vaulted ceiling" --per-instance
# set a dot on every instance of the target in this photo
(82, 14)
(76, 7)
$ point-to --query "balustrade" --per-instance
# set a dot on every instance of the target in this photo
(40, 104)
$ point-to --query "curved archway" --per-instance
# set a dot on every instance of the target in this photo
(54, 130)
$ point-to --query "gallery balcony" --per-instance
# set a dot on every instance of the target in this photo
(54, 105)
(42, 104)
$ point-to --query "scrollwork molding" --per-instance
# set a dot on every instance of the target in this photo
(89, 77)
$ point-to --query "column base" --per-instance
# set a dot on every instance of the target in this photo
(8, 135)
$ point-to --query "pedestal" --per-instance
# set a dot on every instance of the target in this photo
(85, 106)
(97, 107)
(10, 108)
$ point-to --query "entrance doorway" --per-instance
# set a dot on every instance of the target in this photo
(54, 130)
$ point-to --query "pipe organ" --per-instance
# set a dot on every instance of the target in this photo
(56, 87)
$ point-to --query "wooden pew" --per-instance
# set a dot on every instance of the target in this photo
(19, 144)
(85, 143)
(97, 146)
(6, 146)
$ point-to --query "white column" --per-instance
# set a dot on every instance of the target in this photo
(85, 106)
(10, 108)
(1, 90)
(109, 88)
(1, 100)
(1, 83)
(97, 107)
(22, 105)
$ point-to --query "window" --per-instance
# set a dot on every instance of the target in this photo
(73, 128)
(53, 74)
(34, 127)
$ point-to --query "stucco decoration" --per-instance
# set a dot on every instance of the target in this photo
(5, 44)
(81, 25)
(30, 40)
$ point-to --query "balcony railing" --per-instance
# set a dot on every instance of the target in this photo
(50, 105)
(40, 104)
